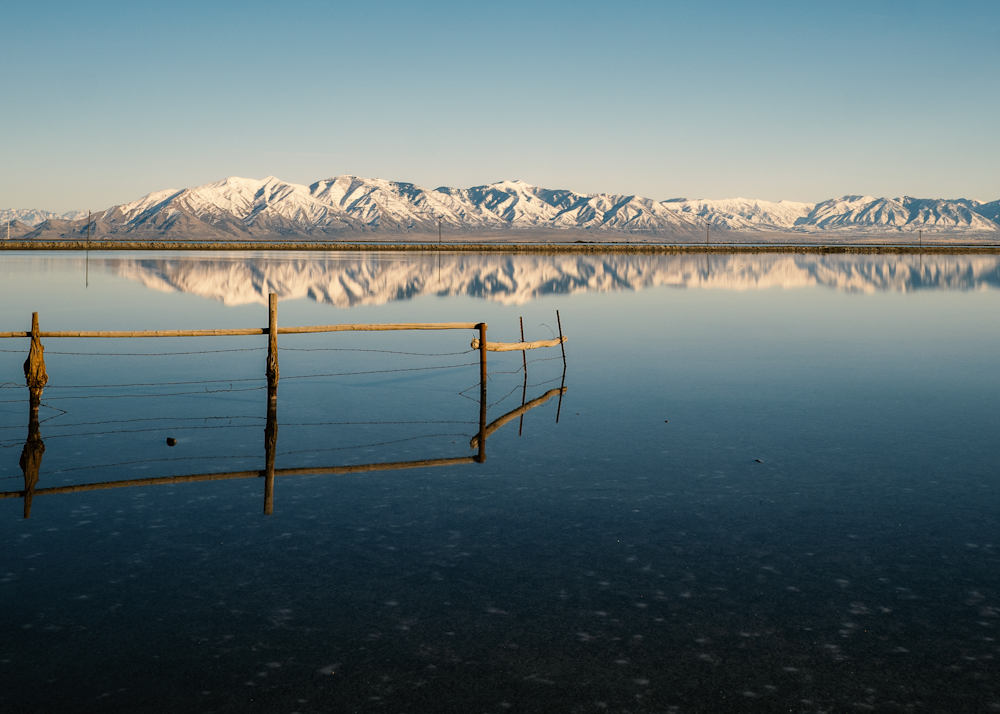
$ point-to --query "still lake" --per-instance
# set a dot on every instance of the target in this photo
(772, 486)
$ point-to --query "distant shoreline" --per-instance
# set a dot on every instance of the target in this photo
(542, 248)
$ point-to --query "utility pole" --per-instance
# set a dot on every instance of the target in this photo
(708, 227)
(439, 231)
(87, 278)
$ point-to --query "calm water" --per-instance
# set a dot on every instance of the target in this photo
(772, 487)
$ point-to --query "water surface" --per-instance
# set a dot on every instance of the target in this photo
(771, 485)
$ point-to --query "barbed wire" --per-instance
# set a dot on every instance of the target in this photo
(155, 384)
(143, 354)
(516, 387)
(366, 446)
(391, 352)
(380, 371)
(248, 456)
(152, 461)
(228, 426)
(140, 396)
(129, 421)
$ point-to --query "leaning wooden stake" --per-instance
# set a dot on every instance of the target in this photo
(482, 393)
(272, 340)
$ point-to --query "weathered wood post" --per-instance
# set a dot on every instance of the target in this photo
(270, 446)
(272, 341)
(482, 393)
(34, 367)
(562, 346)
(31, 458)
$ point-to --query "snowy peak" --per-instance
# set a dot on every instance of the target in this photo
(744, 213)
(904, 213)
(337, 207)
(34, 217)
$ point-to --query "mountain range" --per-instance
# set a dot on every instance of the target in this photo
(353, 208)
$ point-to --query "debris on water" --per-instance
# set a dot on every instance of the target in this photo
(171, 441)
(758, 461)
(666, 421)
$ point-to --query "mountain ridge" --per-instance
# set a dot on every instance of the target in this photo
(237, 208)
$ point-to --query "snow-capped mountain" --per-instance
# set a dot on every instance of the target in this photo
(349, 280)
(906, 213)
(32, 216)
(242, 208)
(349, 207)
(744, 214)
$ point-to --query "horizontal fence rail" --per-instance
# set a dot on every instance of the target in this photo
(517, 346)
(256, 330)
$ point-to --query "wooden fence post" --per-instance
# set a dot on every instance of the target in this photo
(272, 340)
(34, 367)
(482, 393)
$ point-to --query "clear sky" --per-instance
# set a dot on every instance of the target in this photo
(107, 101)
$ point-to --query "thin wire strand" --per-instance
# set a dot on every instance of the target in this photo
(150, 354)
(153, 461)
(139, 396)
(129, 421)
(155, 384)
(366, 446)
(516, 387)
(391, 352)
(229, 426)
(380, 371)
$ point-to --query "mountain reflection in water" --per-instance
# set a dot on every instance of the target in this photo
(347, 280)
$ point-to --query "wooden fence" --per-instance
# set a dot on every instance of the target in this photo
(36, 378)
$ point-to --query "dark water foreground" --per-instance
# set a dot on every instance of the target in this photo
(754, 500)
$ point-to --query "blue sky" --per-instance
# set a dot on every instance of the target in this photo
(107, 101)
